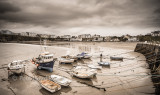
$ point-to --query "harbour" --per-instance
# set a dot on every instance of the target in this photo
(130, 76)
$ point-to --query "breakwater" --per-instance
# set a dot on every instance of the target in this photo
(152, 54)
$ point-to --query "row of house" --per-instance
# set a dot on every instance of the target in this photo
(83, 37)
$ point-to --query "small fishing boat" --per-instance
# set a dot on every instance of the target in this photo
(61, 80)
(94, 66)
(45, 60)
(70, 56)
(116, 58)
(84, 55)
(66, 60)
(50, 85)
(104, 63)
(83, 72)
(17, 66)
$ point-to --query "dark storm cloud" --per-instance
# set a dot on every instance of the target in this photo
(7, 7)
(81, 13)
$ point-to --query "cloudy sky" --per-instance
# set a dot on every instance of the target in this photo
(104, 17)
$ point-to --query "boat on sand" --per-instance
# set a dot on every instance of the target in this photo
(61, 80)
(50, 85)
(83, 72)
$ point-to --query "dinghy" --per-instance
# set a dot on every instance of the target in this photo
(50, 85)
(61, 80)
(83, 72)
(104, 63)
(84, 55)
(66, 60)
(16, 66)
(69, 56)
(116, 58)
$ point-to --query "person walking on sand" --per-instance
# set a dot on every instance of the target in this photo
(101, 57)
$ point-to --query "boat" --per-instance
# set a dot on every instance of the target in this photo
(61, 80)
(84, 55)
(116, 58)
(50, 85)
(45, 60)
(17, 66)
(94, 67)
(70, 56)
(66, 60)
(83, 72)
(104, 63)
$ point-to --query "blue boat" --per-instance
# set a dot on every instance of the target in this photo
(44, 61)
(84, 55)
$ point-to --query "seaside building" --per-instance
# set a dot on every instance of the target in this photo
(23, 34)
(52, 36)
(97, 38)
(85, 37)
(155, 33)
(43, 35)
(31, 34)
(107, 39)
(133, 39)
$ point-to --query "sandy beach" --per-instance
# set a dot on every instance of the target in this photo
(127, 77)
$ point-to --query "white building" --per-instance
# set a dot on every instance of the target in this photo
(66, 36)
(24, 34)
(44, 35)
(155, 33)
(31, 34)
(107, 38)
(132, 39)
(53, 36)
(85, 36)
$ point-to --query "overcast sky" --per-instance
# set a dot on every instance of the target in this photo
(104, 17)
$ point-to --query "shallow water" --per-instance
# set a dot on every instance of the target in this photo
(121, 77)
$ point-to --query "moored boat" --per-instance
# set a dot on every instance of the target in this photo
(84, 55)
(50, 85)
(61, 80)
(116, 58)
(83, 72)
(66, 60)
(104, 63)
(44, 61)
(17, 66)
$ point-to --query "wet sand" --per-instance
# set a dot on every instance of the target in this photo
(125, 77)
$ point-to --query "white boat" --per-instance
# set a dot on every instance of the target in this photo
(83, 72)
(94, 66)
(84, 55)
(104, 63)
(70, 56)
(61, 80)
(17, 66)
(50, 85)
(66, 60)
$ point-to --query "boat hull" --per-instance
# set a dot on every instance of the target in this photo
(116, 58)
(47, 66)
